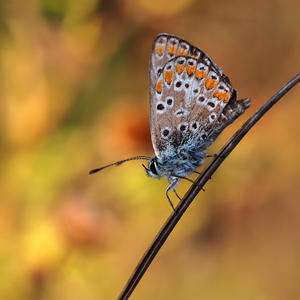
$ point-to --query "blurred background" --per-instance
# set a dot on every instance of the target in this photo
(74, 96)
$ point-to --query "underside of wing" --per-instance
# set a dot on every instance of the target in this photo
(187, 95)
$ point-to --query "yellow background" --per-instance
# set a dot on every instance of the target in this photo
(74, 96)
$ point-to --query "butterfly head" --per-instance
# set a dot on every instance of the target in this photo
(153, 168)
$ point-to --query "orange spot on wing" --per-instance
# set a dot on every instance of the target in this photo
(179, 68)
(159, 87)
(227, 97)
(160, 49)
(222, 95)
(218, 94)
(200, 74)
(172, 49)
(182, 52)
(210, 83)
(168, 76)
(190, 70)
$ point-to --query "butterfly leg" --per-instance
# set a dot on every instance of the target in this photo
(212, 155)
(171, 187)
(176, 194)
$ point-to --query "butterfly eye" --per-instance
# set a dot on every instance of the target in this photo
(153, 168)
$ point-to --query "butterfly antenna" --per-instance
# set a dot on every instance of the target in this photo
(120, 162)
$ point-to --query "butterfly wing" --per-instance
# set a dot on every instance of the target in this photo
(188, 93)
(165, 48)
(191, 100)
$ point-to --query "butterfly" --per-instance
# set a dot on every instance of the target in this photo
(191, 103)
